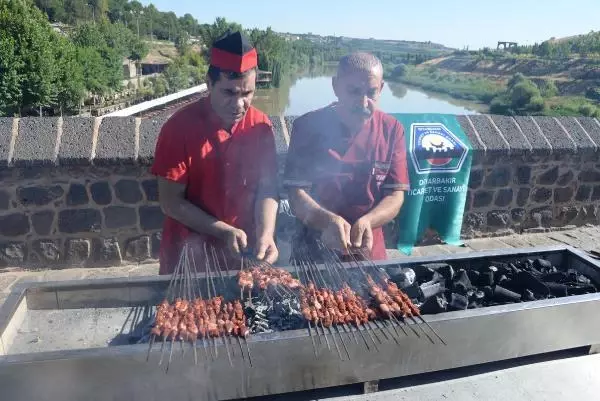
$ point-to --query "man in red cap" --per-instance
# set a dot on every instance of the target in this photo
(216, 164)
(346, 169)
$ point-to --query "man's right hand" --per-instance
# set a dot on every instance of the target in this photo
(337, 233)
(235, 239)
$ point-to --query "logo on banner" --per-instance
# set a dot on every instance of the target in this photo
(435, 149)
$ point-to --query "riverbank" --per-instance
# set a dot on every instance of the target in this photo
(495, 91)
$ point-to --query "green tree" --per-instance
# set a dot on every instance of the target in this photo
(70, 87)
(211, 32)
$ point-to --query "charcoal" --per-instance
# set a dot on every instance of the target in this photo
(433, 305)
(461, 283)
(458, 302)
(527, 281)
(528, 295)
(502, 294)
(414, 292)
(405, 277)
(431, 289)
(447, 271)
(471, 294)
(557, 290)
(581, 289)
(473, 275)
(583, 279)
(542, 264)
(486, 279)
(488, 293)
(557, 277)
(423, 273)
(502, 279)
(479, 296)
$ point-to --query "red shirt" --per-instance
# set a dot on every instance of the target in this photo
(347, 174)
(221, 170)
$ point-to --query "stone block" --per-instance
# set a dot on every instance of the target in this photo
(523, 196)
(151, 218)
(77, 195)
(478, 148)
(116, 141)
(482, 198)
(596, 193)
(591, 126)
(589, 176)
(539, 143)
(14, 225)
(517, 215)
(128, 191)
(568, 214)
(474, 221)
(580, 136)
(6, 131)
(77, 250)
(583, 193)
(4, 200)
(498, 219)
(541, 195)
(493, 139)
(475, 179)
(72, 221)
(119, 217)
(36, 141)
(76, 140)
(46, 251)
(497, 177)
(39, 195)
(512, 133)
(138, 249)
(156, 238)
(151, 189)
(563, 195)
(149, 132)
(101, 193)
(43, 221)
(106, 251)
(504, 197)
(557, 137)
(12, 254)
(542, 217)
(523, 176)
(548, 177)
(565, 178)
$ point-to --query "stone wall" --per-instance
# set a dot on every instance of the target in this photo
(77, 192)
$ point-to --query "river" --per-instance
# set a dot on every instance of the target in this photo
(312, 91)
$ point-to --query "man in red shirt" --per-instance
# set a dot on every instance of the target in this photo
(346, 169)
(216, 164)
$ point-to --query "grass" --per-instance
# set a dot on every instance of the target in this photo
(571, 106)
(458, 85)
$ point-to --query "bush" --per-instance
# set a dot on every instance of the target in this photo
(536, 104)
(516, 79)
(522, 94)
(548, 88)
(593, 93)
(589, 110)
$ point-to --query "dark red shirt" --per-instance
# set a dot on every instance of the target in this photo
(221, 170)
(348, 174)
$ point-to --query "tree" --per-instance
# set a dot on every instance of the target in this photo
(70, 86)
(399, 71)
(210, 33)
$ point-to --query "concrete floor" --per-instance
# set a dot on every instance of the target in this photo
(561, 377)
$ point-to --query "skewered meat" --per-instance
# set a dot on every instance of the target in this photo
(266, 276)
(325, 307)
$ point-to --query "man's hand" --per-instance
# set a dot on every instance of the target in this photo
(235, 239)
(337, 233)
(361, 234)
(266, 249)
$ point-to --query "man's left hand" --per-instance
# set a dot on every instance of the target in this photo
(266, 250)
(361, 234)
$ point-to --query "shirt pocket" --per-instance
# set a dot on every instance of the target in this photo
(379, 171)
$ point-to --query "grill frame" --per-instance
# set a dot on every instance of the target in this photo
(284, 361)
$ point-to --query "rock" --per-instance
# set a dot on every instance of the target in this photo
(434, 305)
(596, 193)
(77, 195)
(475, 179)
(497, 177)
(589, 176)
(78, 250)
(523, 175)
(42, 222)
(107, 250)
(4, 200)
(72, 221)
(119, 217)
(138, 248)
(101, 193)
(156, 238)
(565, 178)
(504, 197)
(549, 177)
(151, 217)
(517, 215)
(12, 254)
(458, 302)
(39, 195)
(151, 190)
(14, 225)
(541, 195)
(498, 218)
(563, 195)
(482, 198)
(523, 196)
(583, 193)
(48, 251)
(128, 191)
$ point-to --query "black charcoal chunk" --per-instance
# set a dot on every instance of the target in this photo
(431, 289)
(527, 281)
(458, 302)
(405, 277)
(558, 277)
(542, 264)
(433, 305)
(528, 295)
(581, 289)
(557, 290)
(583, 279)
(502, 279)
(486, 279)
(461, 283)
(414, 292)
(502, 294)
(488, 293)
(473, 275)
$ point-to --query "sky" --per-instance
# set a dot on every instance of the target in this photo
(454, 23)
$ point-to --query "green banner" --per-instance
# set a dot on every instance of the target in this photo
(438, 155)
